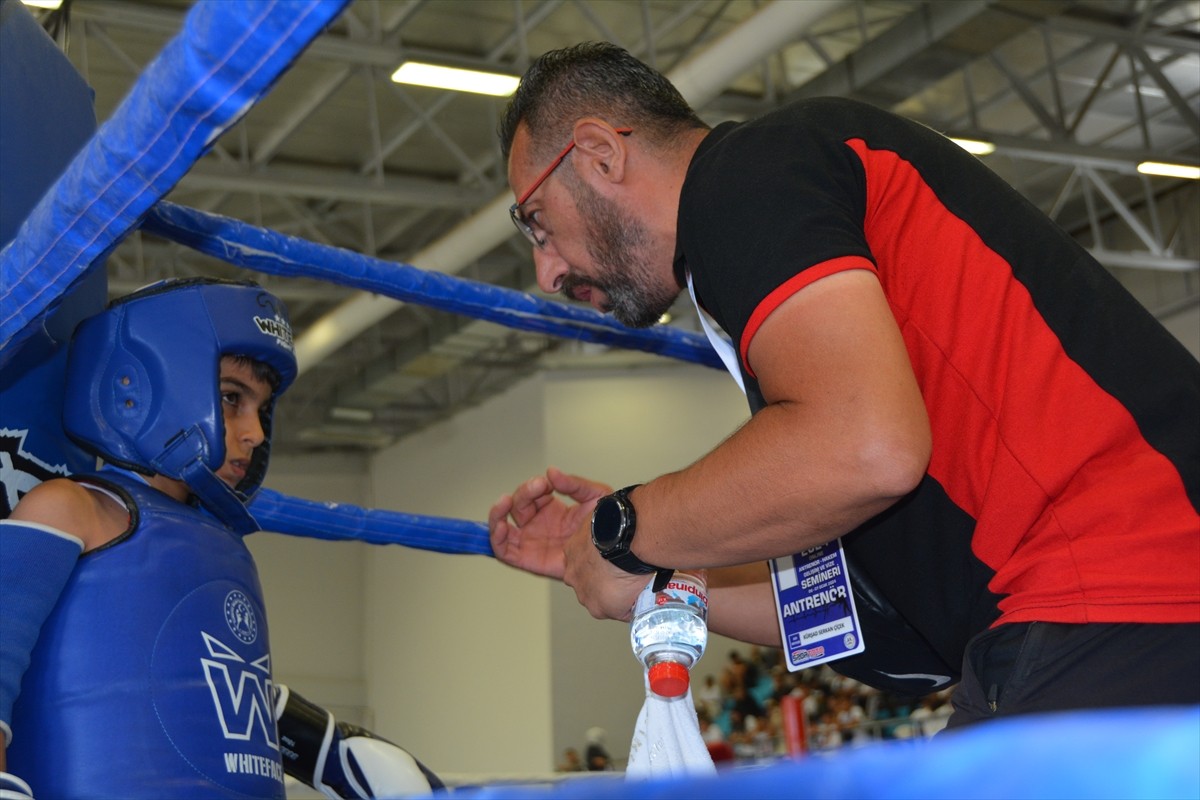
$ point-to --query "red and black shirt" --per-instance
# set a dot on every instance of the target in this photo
(1065, 475)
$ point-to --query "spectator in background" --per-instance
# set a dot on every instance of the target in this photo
(783, 683)
(773, 725)
(931, 715)
(825, 734)
(596, 755)
(849, 716)
(708, 697)
(571, 761)
(745, 673)
(755, 741)
(743, 677)
(714, 738)
(838, 710)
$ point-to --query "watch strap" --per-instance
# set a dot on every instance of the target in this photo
(661, 579)
(631, 563)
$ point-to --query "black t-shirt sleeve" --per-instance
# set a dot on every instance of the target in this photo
(762, 204)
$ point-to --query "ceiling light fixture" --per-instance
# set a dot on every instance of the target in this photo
(1169, 170)
(975, 147)
(455, 79)
(50, 4)
(346, 414)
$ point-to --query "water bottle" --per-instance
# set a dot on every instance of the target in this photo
(670, 629)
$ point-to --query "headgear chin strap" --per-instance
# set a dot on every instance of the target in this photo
(143, 383)
(184, 458)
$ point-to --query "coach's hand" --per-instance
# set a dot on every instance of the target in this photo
(529, 527)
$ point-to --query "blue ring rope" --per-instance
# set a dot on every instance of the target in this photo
(264, 250)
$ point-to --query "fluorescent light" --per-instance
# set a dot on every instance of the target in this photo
(459, 80)
(1169, 170)
(975, 146)
(50, 4)
(351, 414)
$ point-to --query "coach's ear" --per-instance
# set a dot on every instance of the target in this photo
(601, 152)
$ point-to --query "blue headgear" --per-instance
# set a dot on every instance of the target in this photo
(143, 383)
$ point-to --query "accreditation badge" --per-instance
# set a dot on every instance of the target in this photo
(815, 606)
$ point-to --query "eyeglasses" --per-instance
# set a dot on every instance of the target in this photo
(525, 224)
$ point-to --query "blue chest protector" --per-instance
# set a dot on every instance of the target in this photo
(152, 676)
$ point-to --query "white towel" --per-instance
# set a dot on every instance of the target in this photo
(667, 741)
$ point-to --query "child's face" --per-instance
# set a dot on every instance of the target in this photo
(243, 397)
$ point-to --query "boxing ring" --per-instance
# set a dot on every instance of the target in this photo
(226, 57)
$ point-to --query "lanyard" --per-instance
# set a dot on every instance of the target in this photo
(719, 341)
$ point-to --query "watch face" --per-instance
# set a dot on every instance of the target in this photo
(607, 520)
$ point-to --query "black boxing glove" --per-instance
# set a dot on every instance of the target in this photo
(341, 760)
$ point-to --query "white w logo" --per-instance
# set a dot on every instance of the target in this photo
(243, 705)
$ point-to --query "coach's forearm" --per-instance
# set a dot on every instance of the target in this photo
(741, 605)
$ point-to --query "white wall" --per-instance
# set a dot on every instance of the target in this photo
(624, 427)
(479, 668)
(458, 650)
(313, 590)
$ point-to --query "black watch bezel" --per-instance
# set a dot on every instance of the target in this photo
(614, 523)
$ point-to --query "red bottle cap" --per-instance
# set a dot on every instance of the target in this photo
(668, 679)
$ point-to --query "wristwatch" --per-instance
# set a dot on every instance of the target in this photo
(614, 522)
